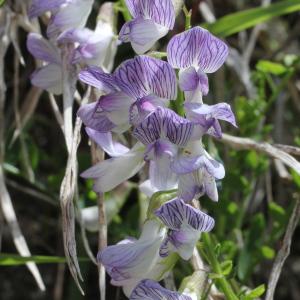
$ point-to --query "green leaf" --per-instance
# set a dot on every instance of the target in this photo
(240, 21)
(2, 2)
(226, 267)
(16, 260)
(268, 252)
(257, 292)
(266, 66)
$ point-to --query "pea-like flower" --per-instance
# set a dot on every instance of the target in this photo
(185, 225)
(196, 52)
(134, 90)
(131, 260)
(152, 19)
(150, 290)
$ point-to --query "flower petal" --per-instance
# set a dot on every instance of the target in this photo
(72, 15)
(38, 7)
(41, 49)
(106, 142)
(151, 290)
(161, 12)
(176, 212)
(97, 78)
(188, 79)
(161, 176)
(142, 34)
(197, 47)
(116, 107)
(48, 78)
(134, 6)
(143, 75)
(95, 119)
(164, 122)
(189, 187)
(133, 259)
(105, 172)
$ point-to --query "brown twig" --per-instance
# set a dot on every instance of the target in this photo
(283, 252)
(249, 144)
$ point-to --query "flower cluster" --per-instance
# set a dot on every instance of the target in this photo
(137, 98)
(67, 36)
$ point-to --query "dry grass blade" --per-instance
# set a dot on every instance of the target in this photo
(67, 193)
(5, 200)
(19, 240)
(268, 149)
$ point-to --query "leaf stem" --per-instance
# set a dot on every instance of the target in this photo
(188, 17)
(214, 263)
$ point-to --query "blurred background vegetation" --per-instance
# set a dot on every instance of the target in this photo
(261, 81)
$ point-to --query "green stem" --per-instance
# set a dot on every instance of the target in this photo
(224, 284)
(188, 17)
(125, 11)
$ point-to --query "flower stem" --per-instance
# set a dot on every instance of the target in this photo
(188, 17)
(214, 263)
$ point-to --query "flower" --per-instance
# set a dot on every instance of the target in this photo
(134, 90)
(152, 19)
(65, 14)
(196, 52)
(131, 260)
(151, 290)
(49, 76)
(186, 224)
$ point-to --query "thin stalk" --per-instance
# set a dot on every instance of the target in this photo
(125, 11)
(214, 263)
(188, 17)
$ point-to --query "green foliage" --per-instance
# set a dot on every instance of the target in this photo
(236, 22)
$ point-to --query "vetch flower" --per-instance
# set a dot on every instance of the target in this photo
(151, 290)
(152, 20)
(209, 115)
(186, 224)
(197, 172)
(196, 52)
(131, 260)
(65, 15)
(135, 89)
(49, 76)
(111, 172)
(94, 48)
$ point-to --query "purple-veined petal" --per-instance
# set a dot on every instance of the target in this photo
(111, 172)
(41, 49)
(151, 290)
(116, 107)
(176, 212)
(48, 78)
(95, 119)
(164, 122)
(143, 76)
(72, 15)
(106, 142)
(133, 259)
(186, 224)
(161, 12)
(188, 79)
(142, 34)
(220, 111)
(143, 107)
(203, 82)
(97, 78)
(38, 7)
(197, 47)
(160, 154)
(134, 6)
